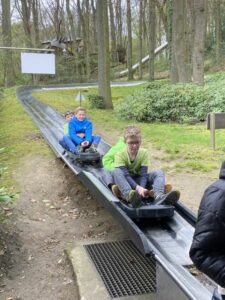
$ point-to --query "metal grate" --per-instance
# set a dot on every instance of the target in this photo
(123, 269)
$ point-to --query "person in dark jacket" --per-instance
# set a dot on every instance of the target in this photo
(208, 247)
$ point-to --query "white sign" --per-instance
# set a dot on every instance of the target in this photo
(38, 63)
(80, 97)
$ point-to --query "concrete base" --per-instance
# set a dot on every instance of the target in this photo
(89, 283)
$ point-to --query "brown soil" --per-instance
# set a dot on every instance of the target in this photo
(54, 212)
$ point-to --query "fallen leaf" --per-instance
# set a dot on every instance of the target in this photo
(45, 201)
(68, 281)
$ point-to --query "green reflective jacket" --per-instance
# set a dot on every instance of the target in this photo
(108, 158)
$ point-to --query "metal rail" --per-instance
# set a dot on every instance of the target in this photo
(27, 49)
(168, 239)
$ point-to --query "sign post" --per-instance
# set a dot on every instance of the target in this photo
(212, 131)
(215, 121)
(80, 97)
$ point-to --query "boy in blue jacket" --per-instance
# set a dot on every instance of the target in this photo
(80, 132)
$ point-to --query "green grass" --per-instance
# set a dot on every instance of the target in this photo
(185, 146)
(19, 137)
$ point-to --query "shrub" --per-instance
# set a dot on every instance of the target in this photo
(96, 101)
(181, 102)
(5, 196)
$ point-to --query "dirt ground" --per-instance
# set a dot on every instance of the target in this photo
(55, 212)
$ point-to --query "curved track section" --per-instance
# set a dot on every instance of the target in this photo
(168, 239)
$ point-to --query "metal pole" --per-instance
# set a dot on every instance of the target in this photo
(212, 130)
(29, 49)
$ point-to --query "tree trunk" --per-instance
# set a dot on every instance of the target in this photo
(6, 32)
(119, 22)
(73, 37)
(103, 53)
(180, 58)
(94, 31)
(35, 12)
(162, 14)
(199, 40)
(169, 15)
(71, 21)
(140, 35)
(25, 14)
(87, 39)
(190, 32)
(217, 13)
(152, 38)
(113, 32)
(129, 42)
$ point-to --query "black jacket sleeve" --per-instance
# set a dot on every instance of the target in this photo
(208, 246)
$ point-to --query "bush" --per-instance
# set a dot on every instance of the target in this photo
(5, 196)
(96, 101)
(165, 102)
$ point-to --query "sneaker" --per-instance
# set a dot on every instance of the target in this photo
(167, 189)
(217, 296)
(94, 147)
(170, 198)
(80, 149)
(134, 199)
(116, 192)
(91, 150)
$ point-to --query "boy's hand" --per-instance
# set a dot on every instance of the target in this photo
(85, 143)
(81, 134)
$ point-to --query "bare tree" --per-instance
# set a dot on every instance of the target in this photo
(118, 9)
(103, 53)
(87, 38)
(129, 45)
(93, 36)
(35, 13)
(152, 38)
(112, 31)
(6, 35)
(54, 11)
(24, 10)
(217, 13)
(140, 35)
(161, 7)
(71, 21)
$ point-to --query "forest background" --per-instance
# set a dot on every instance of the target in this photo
(194, 31)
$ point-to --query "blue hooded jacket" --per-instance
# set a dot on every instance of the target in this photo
(76, 126)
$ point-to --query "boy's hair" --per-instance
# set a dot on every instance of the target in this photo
(132, 131)
(79, 109)
(68, 113)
